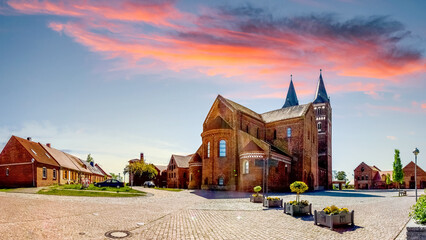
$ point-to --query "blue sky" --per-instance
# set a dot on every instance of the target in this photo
(117, 79)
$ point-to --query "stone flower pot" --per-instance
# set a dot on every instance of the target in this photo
(273, 203)
(299, 209)
(331, 221)
(256, 199)
(415, 230)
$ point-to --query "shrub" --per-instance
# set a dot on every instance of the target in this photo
(298, 187)
(257, 189)
(303, 202)
(273, 198)
(419, 210)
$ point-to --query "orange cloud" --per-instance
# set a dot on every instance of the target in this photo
(424, 105)
(240, 43)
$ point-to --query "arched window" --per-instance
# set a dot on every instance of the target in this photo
(288, 132)
(319, 126)
(7, 171)
(275, 134)
(246, 167)
(208, 149)
(222, 148)
(220, 181)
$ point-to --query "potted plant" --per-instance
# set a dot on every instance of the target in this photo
(333, 216)
(298, 207)
(416, 227)
(256, 197)
(273, 202)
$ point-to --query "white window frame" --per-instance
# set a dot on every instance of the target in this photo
(319, 126)
(44, 172)
(54, 173)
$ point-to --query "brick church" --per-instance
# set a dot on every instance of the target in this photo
(241, 149)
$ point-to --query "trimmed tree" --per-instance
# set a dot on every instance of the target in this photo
(388, 180)
(398, 174)
(298, 187)
(257, 189)
(341, 175)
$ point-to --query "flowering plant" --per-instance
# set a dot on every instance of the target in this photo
(303, 202)
(257, 189)
(333, 210)
(298, 187)
(273, 198)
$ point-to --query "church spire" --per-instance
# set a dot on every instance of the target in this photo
(291, 99)
(321, 94)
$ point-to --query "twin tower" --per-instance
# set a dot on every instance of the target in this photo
(323, 114)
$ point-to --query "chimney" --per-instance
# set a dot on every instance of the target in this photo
(141, 157)
(48, 145)
(29, 138)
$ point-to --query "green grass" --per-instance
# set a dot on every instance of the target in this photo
(169, 189)
(6, 189)
(85, 193)
(91, 191)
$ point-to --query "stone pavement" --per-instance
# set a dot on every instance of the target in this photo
(197, 215)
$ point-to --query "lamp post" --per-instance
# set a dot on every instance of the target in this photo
(416, 152)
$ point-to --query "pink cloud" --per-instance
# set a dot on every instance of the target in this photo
(157, 35)
(424, 105)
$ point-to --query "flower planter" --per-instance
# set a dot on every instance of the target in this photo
(273, 203)
(415, 231)
(331, 221)
(298, 209)
(257, 199)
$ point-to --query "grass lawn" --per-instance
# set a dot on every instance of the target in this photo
(6, 189)
(92, 191)
(169, 189)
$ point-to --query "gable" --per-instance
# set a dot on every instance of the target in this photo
(36, 151)
(361, 165)
(217, 123)
(252, 147)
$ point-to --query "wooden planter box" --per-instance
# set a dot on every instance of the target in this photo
(258, 199)
(297, 209)
(273, 203)
(332, 221)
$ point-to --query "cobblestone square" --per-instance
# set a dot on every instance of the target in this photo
(198, 215)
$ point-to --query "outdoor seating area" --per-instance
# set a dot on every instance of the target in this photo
(402, 193)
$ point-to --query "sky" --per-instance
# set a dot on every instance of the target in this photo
(116, 78)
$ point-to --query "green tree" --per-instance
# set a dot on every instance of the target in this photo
(341, 175)
(89, 158)
(113, 176)
(142, 169)
(388, 180)
(398, 174)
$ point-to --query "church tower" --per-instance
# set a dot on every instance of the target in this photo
(291, 99)
(323, 115)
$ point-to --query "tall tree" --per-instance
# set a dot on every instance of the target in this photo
(341, 175)
(388, 180)
(142, 169)
(398, 174)
(113, 175)
(89, 158)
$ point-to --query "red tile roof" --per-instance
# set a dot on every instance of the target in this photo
(37, 151)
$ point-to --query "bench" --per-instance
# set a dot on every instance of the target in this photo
(402, 193)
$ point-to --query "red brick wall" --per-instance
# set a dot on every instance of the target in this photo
(49, 180)
(364, 179)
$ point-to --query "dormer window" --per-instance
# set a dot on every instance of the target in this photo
(32, 150)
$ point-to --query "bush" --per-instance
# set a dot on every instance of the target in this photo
(419, 210)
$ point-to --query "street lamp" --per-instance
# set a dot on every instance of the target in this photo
(416, 152)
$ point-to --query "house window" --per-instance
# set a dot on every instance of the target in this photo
(257, 133)
(7, 171)
(54, 173)
(222, 148)
(246, 167)
(190, 177)
(366, 177)
(288, 132)
(275, 134)
(44, 172)
(362, 178)
(319, 126)
(47, 155)
(208, 149)
(33, 151)
(220, 181)
(247, 128)
(65, 174)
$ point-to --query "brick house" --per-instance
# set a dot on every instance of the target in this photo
(371, 177)
(161, 179)
(50, 166)
(238, 144)
(178, 171)
(24, 163)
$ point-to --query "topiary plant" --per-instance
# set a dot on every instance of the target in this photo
(298, 187)
(257, 189)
